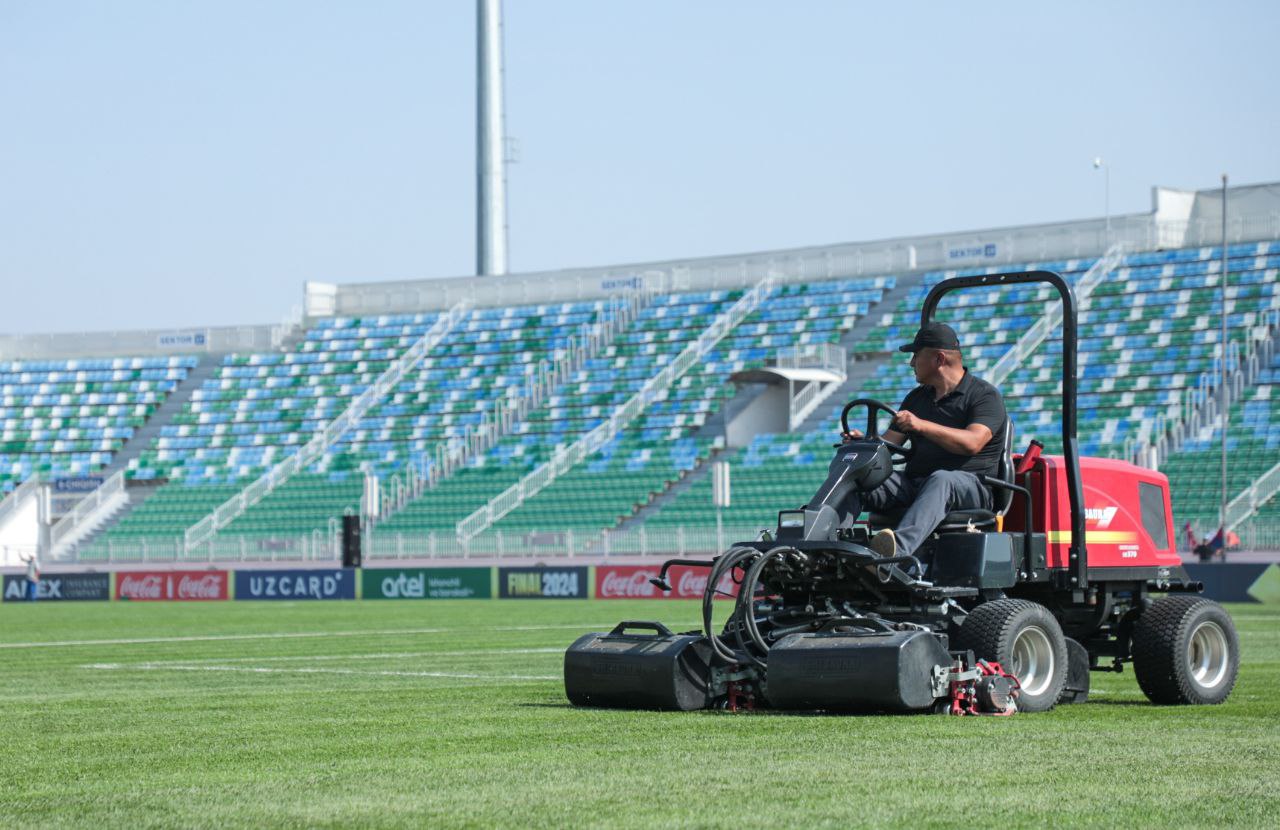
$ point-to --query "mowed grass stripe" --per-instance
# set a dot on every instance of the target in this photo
(214, 748)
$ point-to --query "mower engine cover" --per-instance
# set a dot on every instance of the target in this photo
(628, 670)
(864, 670)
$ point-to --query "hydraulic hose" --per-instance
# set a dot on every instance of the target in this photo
(725, 564)
(750, 580)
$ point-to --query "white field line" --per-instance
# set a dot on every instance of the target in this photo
(584, 627)
(384, 656)
(304, 670)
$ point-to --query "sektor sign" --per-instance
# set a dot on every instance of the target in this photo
(171, 585)
(315, 584)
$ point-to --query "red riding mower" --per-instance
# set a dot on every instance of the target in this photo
(999, 611)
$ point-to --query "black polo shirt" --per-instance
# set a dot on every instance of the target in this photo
(973, 401)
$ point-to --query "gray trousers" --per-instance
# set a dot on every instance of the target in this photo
(928, 500)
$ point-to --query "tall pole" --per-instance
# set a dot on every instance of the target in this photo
(1106, 198)
(1222, 389)
(491, 175)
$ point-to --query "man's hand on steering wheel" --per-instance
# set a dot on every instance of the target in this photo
(906, 422)
(851, 435)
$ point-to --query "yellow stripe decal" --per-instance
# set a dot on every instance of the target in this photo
(1104, 537)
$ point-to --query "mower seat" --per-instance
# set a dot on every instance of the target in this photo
(962, 520)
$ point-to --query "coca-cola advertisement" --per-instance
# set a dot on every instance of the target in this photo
(633, 582)
(146, 586)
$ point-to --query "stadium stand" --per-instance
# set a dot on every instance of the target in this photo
(69, 417)
(1148, 331)
(1146, 334)
(1253, 447)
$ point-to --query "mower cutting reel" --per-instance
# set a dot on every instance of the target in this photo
(1012, 617)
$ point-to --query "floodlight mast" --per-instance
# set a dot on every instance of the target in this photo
(491, 175)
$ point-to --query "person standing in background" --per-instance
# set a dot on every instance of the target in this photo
(33, 577)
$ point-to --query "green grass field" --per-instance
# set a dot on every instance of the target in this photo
(446, 714)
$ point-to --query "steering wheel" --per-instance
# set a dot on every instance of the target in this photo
(873, 431)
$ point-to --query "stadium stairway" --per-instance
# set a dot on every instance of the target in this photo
(895, 300)
(822, 310)
(863, 365)
(146, 434)
(143, 438)
(137, 492)
(826, 417)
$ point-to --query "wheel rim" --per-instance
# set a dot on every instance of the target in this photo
(1033, 660)
(1208, 654)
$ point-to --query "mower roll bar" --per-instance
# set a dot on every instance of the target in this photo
(1079, 556)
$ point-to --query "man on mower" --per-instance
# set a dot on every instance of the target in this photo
(956, 423)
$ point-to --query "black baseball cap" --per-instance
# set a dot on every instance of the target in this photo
(933, 336)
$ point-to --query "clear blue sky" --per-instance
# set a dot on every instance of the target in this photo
(169, 164)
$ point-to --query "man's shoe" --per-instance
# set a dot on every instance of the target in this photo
(884, 543)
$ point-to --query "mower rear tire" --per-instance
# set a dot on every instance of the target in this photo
(1185, 651)
(1027, 641)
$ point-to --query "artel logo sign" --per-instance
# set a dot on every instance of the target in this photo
(427, 583)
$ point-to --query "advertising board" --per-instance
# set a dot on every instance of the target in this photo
(59, 587)
(427, 583)
(149, 586)
(542, 583)
(633, 582)
(296, 584)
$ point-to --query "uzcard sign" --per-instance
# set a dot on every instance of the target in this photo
(59, 587)
(542, 583)
(148, 586)
(427, 583)
(634, 582)
(296, 584)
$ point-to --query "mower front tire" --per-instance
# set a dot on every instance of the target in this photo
(1185, 650)
(1026, 640)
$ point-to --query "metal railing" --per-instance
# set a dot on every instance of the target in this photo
(829, 356)
(813, 356)
(565, 458)
(1052, 318)
(70, 525)
(325, 437)
(286, 328)
(1253, 497)
(14, 501)
(1201, 404)
(318, 546)
(450, 456)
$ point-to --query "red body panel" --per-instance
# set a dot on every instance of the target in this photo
(1114, 533)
